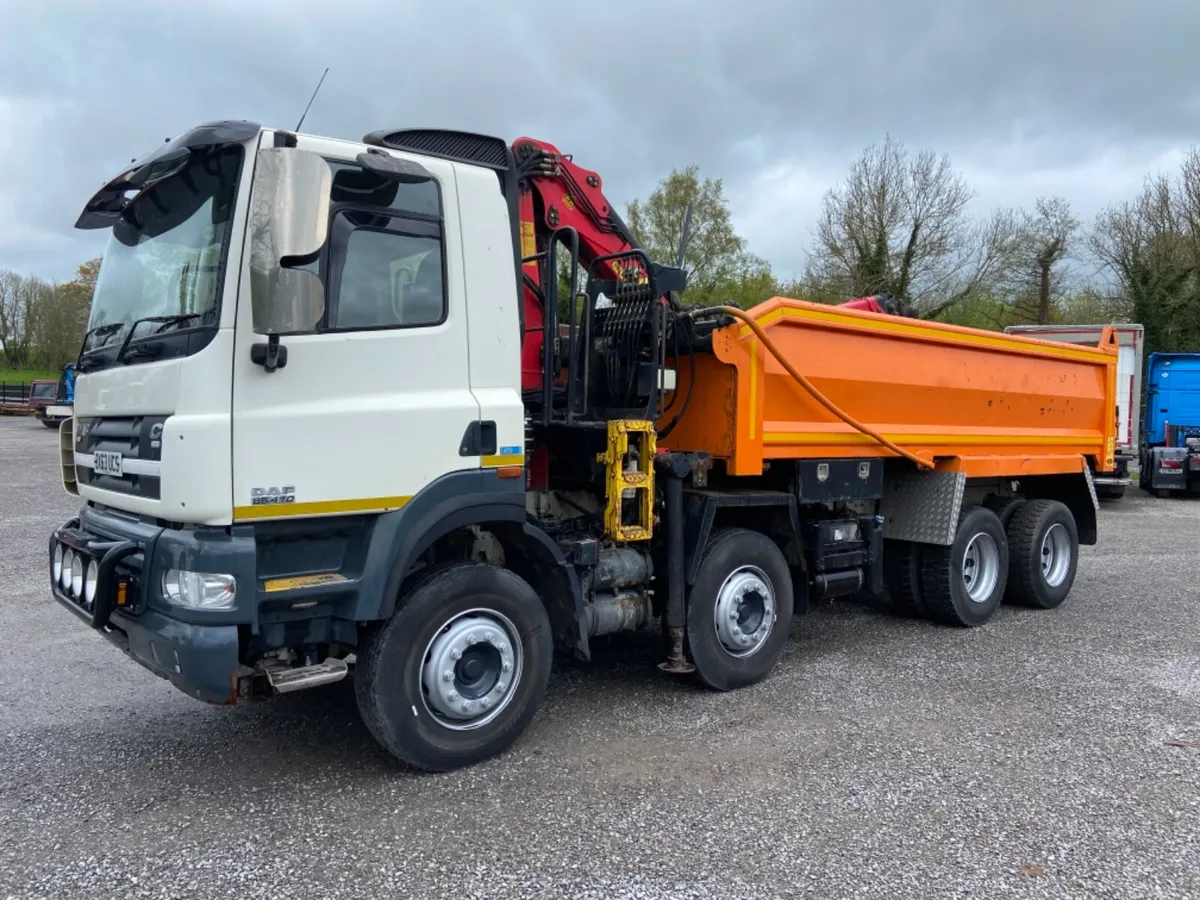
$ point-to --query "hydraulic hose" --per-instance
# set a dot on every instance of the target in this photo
(745, 317)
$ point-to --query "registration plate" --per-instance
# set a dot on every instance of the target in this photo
(107, 462)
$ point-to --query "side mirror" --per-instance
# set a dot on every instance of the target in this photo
(289, 221)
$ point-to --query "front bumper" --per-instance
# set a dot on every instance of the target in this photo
(199, 659)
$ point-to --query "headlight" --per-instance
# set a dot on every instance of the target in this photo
(198, 590)
(58, 563)
(64, 577)
(76, 576)
(90, 580)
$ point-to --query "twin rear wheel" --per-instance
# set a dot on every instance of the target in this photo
(1023, 552)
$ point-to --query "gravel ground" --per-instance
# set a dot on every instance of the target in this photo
(883, 758)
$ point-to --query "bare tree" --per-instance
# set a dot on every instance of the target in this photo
(11, 319)
(63, 314)
(1041, 269)
(42, 322)
(900, 224)
(19, 298)
(1150, 247)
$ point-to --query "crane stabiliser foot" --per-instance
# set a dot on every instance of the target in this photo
(676, 663)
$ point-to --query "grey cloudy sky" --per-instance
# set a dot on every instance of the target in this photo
(1028, 98)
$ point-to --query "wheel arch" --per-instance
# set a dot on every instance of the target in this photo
(450, 503)
(1076, 492)
(705, 512)
(532, 554)
(455, 503)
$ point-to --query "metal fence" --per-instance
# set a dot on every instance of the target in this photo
(14, 393)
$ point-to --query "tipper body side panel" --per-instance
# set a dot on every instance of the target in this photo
(987, 403)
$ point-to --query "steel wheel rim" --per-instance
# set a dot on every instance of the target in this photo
(981, 567)
(471, 669)
(1056, 555)
(744, 614)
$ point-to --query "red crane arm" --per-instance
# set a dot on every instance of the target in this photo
(553, 193)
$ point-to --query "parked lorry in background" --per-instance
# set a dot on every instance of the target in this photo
(1130, 347)
(1170, 450)
(55, 398)
(327, 424)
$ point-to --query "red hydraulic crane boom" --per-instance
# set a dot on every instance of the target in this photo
(554, 193)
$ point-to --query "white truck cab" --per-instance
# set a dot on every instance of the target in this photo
(302, 366)
(189, 427)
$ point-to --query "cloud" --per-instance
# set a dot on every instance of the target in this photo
(774, 96)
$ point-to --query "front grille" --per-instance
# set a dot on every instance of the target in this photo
(139, 441)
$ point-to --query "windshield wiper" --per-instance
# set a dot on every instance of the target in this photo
(84, 362)
(177, 319)
(106, 328)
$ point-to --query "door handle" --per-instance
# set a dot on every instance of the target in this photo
(479, 439)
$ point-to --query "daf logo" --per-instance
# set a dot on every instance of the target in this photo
(271, 496)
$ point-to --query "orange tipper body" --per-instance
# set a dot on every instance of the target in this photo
(981, 402)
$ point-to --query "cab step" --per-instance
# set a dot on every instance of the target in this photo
(284, 681)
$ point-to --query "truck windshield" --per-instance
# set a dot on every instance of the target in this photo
(162, 268)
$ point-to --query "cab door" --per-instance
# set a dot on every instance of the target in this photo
(373, 406)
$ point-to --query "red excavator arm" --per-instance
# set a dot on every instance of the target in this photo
(554, 193)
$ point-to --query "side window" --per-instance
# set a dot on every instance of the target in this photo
(385, 264)
(386, 272)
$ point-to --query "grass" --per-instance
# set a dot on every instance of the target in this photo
(19, 376)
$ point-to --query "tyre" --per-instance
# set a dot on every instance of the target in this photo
(1004, 507)
(457, 673)
(964, 584)
(51, 423)
(1043, 547)
(739, 609)
(902, 575)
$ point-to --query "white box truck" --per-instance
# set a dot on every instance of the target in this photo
(1131, 345)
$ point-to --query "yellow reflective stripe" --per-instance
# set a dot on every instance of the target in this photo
(303, 581)
(1001, 342)
(318, 508)
(508, 459)
(816, 437)
(753, 386)
(528, 240)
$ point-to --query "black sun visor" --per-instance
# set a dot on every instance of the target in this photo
(106, 204)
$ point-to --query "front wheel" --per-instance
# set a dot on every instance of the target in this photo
(739, 609)
(458, 672)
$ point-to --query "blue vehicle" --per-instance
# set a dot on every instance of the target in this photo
(57, 409)
(1170, 452)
